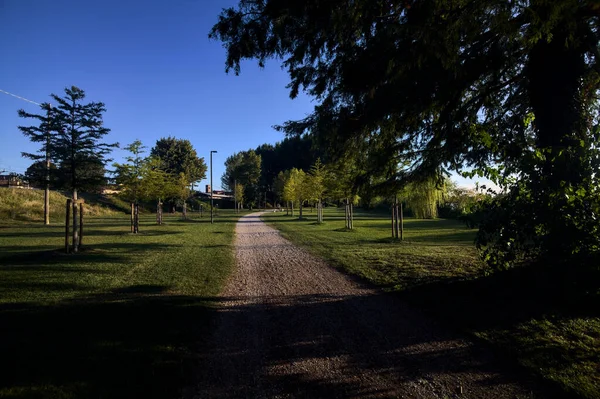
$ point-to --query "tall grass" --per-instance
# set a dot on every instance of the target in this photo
(23, 204)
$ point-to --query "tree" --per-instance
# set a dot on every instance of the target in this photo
(39, 175)
(423, 198)
(244, 168)
(129, 177)
(297, 189)
(448, 84)
(179, 156)
(239, 195)
(156, 184)
(317, 187)
(72, 132)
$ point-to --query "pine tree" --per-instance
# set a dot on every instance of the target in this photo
(76, 146)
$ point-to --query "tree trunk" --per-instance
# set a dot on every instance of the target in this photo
(560, 128)
(300, 210)
(184, 210)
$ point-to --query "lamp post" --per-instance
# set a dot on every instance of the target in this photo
(211, 189)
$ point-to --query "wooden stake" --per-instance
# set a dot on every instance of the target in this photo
(67, 224)
(80, 223)
(401, 223)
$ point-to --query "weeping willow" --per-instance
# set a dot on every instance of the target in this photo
(423, 198)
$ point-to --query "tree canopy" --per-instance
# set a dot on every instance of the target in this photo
(72, 134)
(179, 156)
(505, 88)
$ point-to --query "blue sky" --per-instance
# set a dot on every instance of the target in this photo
(151, 63)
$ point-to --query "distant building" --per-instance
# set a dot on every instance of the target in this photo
(13, 181)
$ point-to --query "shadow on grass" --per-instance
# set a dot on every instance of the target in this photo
(142, 342)
(499, 303)
(97, 253)
(133, 342)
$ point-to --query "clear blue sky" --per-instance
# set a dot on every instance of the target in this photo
(151, 63)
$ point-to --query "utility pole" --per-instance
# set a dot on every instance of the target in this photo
(211, 190)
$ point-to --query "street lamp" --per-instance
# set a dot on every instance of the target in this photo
(211, 189)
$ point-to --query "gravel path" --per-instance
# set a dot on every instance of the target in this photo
(291, 326)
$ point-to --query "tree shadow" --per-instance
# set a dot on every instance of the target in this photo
(345, 336)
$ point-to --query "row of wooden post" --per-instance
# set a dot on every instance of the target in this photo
(349, 215)
(397, 220)
(77, 237)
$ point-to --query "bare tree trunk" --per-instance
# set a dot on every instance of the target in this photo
(184, 210)
(351, 216)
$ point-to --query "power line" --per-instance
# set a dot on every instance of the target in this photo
(19, 97)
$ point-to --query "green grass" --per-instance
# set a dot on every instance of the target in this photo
(543, 319)
(24, 204)
(123, 318)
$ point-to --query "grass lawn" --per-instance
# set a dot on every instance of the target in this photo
(536, 317)
(123, 318)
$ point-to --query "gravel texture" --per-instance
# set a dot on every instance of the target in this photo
(290, 326)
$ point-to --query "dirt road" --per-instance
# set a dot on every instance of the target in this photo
(291, 326)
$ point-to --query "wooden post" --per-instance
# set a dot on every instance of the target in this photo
(80, 223)
(67, 224)
(401, 222)
(393, 219)
(75, 245)
(136, 218)
(397, 226)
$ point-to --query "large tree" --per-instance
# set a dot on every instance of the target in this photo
(243, 168)
(74, 144)
(179, 156)
(448, 83)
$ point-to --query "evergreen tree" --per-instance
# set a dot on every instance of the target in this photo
(76, 146)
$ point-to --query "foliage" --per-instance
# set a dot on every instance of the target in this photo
(449, 84)
(179, 156)
(129, 175)
(37, 172)
(239, 193)
(74, 144)
(243, 167)
(423, 197)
